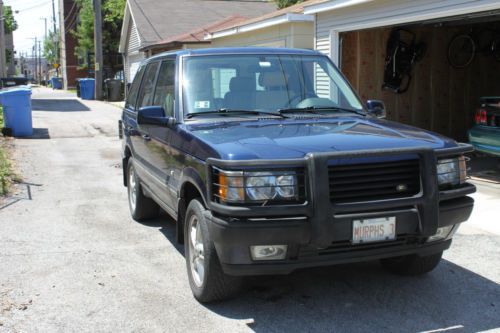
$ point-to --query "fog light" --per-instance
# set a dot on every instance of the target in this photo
(442, 233)
(268, 252)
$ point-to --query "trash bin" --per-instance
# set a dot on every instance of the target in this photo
(113, 90)
(16, 105)
(87, 88)
(56, 82)
(78, 93)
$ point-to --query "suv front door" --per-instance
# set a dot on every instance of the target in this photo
(155, 150)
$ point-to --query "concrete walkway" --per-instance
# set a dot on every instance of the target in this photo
(72, 260)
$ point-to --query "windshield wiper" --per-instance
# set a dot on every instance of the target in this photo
(313, 109)
(225, 111)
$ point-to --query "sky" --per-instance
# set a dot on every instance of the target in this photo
(30, 22)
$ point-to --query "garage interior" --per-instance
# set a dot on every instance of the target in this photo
(440, 98)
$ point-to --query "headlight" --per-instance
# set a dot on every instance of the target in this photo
(241, 187)
(451, 171)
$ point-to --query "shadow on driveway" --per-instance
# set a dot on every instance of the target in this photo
(484, 167)
(361, 298)
(58, 105)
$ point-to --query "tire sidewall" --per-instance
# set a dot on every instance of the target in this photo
(196, 208)
(130, 165)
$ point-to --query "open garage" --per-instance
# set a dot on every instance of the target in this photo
(442, 82)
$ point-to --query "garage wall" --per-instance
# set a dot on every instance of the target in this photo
(440, 98)
(297, 35)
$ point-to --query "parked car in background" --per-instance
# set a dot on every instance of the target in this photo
(485, 134)
(269, 162)
(7, 82)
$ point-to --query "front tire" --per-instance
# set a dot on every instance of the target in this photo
(411, 264)
(141, 207)
(207, 280)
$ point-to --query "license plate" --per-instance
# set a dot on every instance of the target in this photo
(373, 230)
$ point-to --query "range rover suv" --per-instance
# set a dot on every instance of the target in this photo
(269, 162)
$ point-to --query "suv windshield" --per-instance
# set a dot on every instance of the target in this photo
(264, 83)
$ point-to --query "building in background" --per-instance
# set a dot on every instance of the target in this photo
(68, 19)
(148, 23)
(31, 67)
(192, 39)
(287, 27)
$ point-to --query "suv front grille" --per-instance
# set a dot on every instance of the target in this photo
(374, 181)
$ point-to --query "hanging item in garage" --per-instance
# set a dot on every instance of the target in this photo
(463, 47)
(401, 54)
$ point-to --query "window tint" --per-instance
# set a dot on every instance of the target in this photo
(221, 79)
(264, 82)
(134, 89)
(145, 97)
(165, 88)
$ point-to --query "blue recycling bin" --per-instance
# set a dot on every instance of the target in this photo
(16, 105)
(87, 87)
(56, 82)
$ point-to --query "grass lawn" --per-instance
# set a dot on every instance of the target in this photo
(5, 167)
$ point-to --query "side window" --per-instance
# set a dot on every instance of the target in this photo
(165, 87)
(134, 89)
(145, 97)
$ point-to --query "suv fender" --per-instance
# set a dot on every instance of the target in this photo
(192, 186)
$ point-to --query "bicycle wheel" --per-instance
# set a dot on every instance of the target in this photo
(495, 49)
(461, 51)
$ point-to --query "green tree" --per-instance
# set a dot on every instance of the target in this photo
(286, 3)
(50, 47)
(112, 12)
(10, 23)
(84, 31)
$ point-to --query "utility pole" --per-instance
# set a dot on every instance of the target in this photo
(36, 61)
(3, 62)
(98, 49)
(56, 40)
(39, 63)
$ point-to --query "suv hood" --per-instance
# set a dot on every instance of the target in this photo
(293, 138)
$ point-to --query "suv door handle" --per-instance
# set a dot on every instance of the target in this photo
(146, 137)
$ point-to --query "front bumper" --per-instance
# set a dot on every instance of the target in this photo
(233, 240)
(319, 232)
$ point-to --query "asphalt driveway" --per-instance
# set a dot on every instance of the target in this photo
(72, 259)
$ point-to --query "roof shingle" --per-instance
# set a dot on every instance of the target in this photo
(160, 20)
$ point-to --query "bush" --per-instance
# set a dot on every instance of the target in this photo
(5, 172)
(5, 168)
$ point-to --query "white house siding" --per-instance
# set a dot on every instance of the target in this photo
(134, 42)
(132, 56)
(322, 30)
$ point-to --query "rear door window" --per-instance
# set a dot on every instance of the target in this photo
(165, 87)
(134, 89)
(146, 93)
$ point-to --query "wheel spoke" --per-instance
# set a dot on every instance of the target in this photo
(200, 269)
(196, 251)
(193, 237)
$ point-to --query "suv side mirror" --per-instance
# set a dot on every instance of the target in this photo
(154, 116)
(376, 108)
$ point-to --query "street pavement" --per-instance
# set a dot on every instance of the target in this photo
(72, 259)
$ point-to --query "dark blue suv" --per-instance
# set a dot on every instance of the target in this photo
(269, 162)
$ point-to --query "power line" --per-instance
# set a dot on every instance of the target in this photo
(70, 12)
(33, 7)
